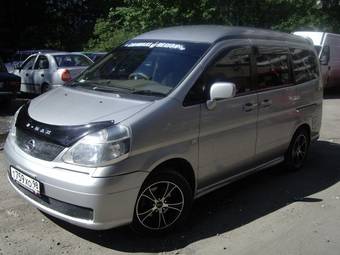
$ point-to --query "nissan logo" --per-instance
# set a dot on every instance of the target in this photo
(30, 145)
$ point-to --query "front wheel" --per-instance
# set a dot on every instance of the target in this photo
(298, 150)
(163, 203)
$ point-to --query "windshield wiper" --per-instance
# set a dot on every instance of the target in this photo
(110, 89)
(149, 93)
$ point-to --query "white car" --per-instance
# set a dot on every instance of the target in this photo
(44, 71)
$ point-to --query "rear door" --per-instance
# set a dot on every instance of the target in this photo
(277, 101)
(228, 132)
(26, 74)
(41, 73)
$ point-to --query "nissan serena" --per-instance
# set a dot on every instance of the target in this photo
(164, 119)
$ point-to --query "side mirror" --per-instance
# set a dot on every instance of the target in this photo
(220, 90)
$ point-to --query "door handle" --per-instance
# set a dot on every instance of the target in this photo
(248, 107)
(266, 103)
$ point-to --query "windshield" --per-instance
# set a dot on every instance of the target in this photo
(143, 67)
(72, 60)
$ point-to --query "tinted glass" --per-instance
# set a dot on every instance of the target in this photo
(42, 63)
(72, 60)
(151, 68)
(231, 66)
(272, 65)
(305, 66)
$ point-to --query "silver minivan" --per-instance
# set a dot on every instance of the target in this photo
(164, 119)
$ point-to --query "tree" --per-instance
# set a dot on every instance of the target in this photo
(137, 16)
(59, 24)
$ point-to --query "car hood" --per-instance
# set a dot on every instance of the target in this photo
(67, 107)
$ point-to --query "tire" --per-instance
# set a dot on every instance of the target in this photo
(163, 203)
(297, 152)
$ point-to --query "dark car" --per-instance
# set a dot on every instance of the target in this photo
(9, 84)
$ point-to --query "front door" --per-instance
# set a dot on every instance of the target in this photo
(26, 74)
(227, 137)
(41, 73)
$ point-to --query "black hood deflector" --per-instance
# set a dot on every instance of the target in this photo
(61, 135)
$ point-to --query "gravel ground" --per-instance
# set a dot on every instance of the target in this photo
(271, 212)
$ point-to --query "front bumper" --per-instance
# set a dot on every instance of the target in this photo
(76, 197)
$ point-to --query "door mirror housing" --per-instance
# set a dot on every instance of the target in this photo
(219, 91)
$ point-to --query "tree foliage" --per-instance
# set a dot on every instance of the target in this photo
(137, 16)
(104, 24)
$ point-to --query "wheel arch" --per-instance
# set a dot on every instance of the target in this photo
(306, 126)
(179, 165)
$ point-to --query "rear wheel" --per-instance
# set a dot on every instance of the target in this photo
(298, 150)
(163, 203)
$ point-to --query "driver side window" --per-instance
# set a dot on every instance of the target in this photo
(28, 65)
(233, 66)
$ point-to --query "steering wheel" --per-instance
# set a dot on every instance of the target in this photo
(137, 76)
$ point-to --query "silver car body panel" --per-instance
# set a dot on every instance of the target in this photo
(220, 145)
(66, 106)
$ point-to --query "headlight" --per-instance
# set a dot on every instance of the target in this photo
(12, 131)
(100, 149)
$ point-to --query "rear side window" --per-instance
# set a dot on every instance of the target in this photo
(305, 66)
(272, 65)
(72, 60)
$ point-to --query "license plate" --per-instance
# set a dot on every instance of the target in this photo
(25, 181)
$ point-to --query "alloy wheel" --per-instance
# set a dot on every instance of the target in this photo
(160, 205)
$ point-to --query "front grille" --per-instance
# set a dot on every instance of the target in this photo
(37, 147)
(57, 205)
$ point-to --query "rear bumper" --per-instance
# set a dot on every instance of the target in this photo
(78, 198)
